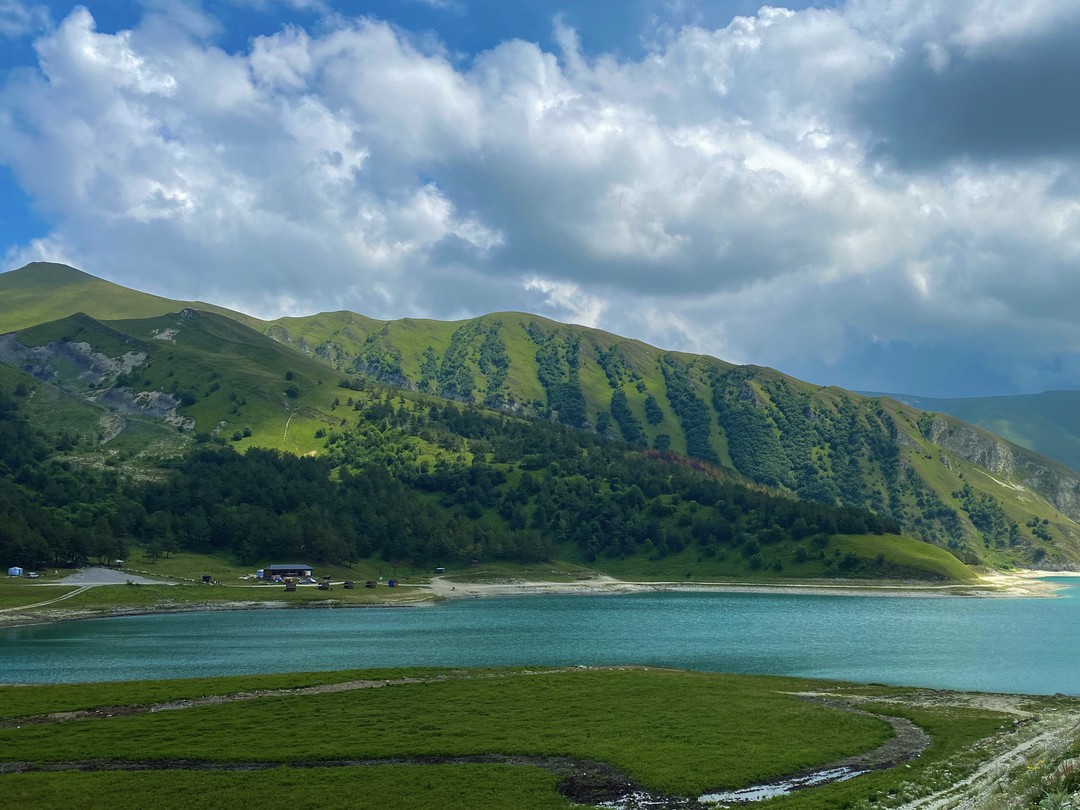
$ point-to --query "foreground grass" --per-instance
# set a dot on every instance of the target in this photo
(435, 787)
(26, 701)
(679, 732)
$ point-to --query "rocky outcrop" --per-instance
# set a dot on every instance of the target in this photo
(48, 361)
(1055, 482)
(152, 404)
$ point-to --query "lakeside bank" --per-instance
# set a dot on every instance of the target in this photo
(1016, 584)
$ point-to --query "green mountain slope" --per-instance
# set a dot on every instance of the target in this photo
(279, 385)
(416, 484)
(44, 291)
(1047, 423)
(207, 376)
(824, 444)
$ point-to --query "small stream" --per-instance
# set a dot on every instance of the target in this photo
(759, 793)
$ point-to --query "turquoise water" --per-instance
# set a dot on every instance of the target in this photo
(1007, 645)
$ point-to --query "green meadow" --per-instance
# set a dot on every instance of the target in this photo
(456, 738)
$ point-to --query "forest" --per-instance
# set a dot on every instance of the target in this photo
(404, 481)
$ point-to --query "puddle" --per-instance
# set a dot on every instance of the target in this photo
(640, 800)
(759, 793)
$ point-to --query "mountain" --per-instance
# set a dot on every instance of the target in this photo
(299, 384)
(1047, 423)
(46, 291)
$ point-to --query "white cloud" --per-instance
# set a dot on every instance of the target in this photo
(568, 299)
(715, 195)
(19, 19)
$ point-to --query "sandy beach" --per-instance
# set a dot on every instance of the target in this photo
(1020, 583)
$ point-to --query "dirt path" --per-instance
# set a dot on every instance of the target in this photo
(98, 575)
(1041, 737)
(75, 592)
(256, 694)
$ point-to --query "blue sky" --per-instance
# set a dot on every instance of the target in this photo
(877, 194)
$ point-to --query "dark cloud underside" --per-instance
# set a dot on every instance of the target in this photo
(1018, 101)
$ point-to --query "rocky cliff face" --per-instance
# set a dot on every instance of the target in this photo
(1056, 483)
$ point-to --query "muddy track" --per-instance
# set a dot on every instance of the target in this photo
(256, 694)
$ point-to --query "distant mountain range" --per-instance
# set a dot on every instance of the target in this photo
(147, 374)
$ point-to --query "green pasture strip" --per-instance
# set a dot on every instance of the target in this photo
(409, 787)
(37, 699)
(948, 759)
(16, 593)
(162, 598)
(683, 732)
(553, 571)
(902, 560)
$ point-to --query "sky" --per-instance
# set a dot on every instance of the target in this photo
(878, 194)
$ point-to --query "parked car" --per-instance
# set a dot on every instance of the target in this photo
(32, 574)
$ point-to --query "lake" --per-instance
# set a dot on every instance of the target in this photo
(999, 644)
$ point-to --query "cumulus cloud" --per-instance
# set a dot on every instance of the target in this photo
(830, 191)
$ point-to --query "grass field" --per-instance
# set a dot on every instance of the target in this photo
(460, 739)
(19, 592)
(901, 558)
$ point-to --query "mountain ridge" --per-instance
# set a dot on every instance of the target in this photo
(944, 481)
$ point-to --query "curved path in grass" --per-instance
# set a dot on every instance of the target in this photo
(583, 781)
(68, 595)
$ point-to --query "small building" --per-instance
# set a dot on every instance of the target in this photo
(14, 571)
(298, 570)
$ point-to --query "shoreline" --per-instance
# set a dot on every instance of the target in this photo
(997, 584)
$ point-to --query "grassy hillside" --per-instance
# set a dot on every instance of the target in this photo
(209, 375)
(44, 291)
(824, 444)
(277, 385)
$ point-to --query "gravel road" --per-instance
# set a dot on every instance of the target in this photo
(108, 576)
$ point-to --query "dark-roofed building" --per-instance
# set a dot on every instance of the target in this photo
(288, 570)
